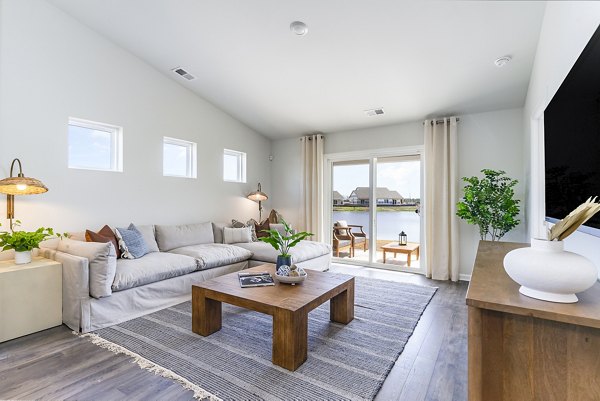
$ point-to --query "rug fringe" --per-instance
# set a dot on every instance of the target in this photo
(199, 392)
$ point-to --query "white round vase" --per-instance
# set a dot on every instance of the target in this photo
(22, 258)
(547, 272)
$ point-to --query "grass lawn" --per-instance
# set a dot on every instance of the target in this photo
(338, 208)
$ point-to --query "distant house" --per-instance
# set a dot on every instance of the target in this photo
(339, 199)
(360, 196)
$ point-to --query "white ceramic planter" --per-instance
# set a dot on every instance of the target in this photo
(22, 258)
(546, 271)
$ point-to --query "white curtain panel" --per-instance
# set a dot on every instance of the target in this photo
(441, 223)
(311, 209)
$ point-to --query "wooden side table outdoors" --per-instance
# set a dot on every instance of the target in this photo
(30, 297)
(289, 305)
(526, 349)
(407, 249)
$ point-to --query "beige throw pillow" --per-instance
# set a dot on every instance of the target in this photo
(237, 235)
(250, 223)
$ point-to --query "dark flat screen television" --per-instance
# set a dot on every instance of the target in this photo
(572, 139)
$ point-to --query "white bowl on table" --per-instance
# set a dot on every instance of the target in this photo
(290, 279)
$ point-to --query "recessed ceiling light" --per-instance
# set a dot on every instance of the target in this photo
(502, 61)
(299, 28)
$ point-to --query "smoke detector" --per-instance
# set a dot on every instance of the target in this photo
(375, 112)
(183, 73)
(299, 28)
(502, 61)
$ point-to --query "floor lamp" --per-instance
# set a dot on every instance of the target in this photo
(19, 185)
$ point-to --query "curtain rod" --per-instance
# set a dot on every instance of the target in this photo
(310, 137)
(441, 121)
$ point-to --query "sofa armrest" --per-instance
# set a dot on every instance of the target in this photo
(75, 285)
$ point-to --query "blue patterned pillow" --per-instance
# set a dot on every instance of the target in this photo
(131, 242)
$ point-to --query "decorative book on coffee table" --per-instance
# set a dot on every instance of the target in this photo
(259, 279)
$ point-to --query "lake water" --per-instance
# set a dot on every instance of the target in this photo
(389, 224)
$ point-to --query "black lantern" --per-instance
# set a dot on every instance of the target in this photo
(402, 238)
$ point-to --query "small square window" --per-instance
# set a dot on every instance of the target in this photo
(95, 146)
(179, 158)
(234, 166)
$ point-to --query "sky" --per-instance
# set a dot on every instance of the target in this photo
(404, 177)
(89, 148)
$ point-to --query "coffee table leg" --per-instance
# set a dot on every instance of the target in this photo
(383, 256)
(341, 307)
(290, 338)
(408, 258)
(206, 313)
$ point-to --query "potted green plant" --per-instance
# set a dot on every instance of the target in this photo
(489, 203)
(283, 244)
(23, 242)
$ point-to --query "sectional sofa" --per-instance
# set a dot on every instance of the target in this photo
(100, 290)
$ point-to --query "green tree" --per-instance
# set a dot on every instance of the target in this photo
(489, 203)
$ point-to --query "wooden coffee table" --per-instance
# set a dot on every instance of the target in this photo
(408, 249)
(288, 304)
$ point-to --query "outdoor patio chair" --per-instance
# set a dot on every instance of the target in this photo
(360, 237)
(342, 240)
(344, 237)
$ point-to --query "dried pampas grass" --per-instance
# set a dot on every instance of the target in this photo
(577, 217)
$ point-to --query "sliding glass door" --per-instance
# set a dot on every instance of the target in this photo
(398, 210)
(374, 205)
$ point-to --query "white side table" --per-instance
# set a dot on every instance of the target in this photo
(30, 297)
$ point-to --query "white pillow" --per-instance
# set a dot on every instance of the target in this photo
(340, 224)
(237, 235)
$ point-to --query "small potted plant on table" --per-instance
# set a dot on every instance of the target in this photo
(283, 244)
(23, 242)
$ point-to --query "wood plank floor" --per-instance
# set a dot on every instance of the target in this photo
(54, 364)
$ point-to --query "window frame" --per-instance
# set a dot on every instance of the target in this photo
(116, 146)
(191, 157)
(241, 165)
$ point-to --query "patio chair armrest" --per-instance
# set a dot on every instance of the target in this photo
(361, 233)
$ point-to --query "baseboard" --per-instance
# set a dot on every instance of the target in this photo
(464, 277)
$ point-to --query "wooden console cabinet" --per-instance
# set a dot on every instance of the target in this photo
(525, 349)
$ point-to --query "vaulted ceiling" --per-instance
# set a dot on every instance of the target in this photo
(415, 59)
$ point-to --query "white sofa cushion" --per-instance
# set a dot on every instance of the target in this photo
(171, 237)
(304, 250)
(214, 255)
(150, 268)
(102, 263)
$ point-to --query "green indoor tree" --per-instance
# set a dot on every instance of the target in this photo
(489, 203)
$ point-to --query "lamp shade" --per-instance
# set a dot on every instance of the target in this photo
(258, 195)
(22, 186)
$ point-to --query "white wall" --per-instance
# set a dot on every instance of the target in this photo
(566, 30)
(486, 140)
(490, 140)
(53, 67)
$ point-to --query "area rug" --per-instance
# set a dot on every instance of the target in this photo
(345, 362)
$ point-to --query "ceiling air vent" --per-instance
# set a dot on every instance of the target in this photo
(180, 71)
(374, 112)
